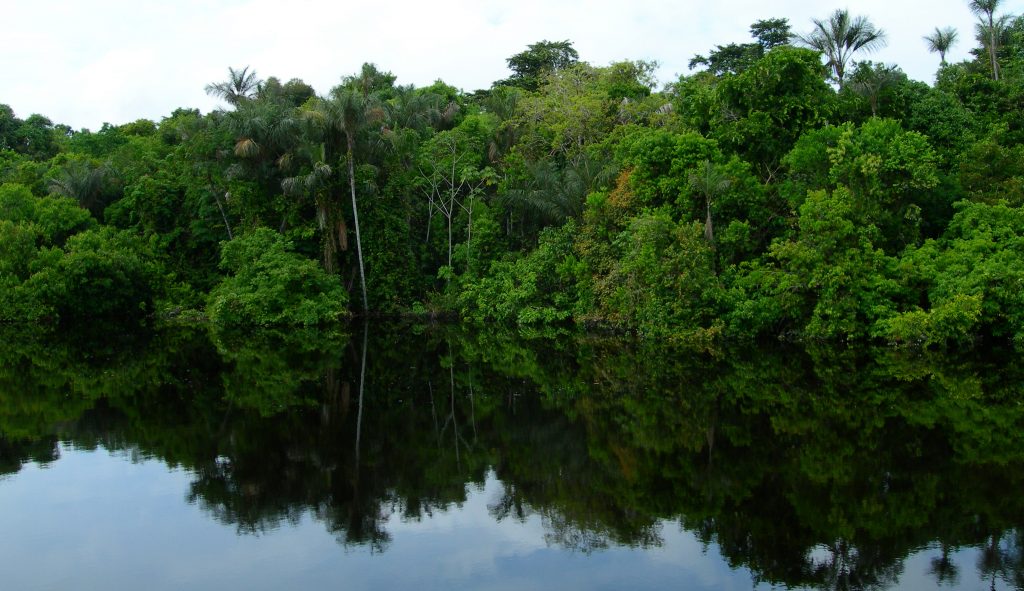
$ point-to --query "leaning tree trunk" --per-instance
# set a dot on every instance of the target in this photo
(355, 219)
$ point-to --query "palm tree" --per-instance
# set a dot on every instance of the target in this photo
(941, 41)
(869, 80)
(551, 194)
(710, 182)
(840, 37)
(341, 117)
(240, 86)
(989, 28)
(82, 181)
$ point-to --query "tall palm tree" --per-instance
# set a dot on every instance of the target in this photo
(941, 40)
(710, 181)
(988, 29)
(339, 118)
(840, 37)
(240, 86)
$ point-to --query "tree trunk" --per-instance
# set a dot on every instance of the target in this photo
(709, 233)
(355, 219)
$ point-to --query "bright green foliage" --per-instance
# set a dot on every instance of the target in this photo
(892, 174)
(664, 282)
(944, 120)
(661, 161)
(977, 267)
(55, 264)
(537, 288)
(268, 285)
(104, 274)
(952, 322)
(831, 281)
(695, 101)
(101, 274)
(53, 218)
(21, 170)
(571, 111)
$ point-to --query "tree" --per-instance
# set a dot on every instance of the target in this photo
(985, 10)
(540, 59)
(989, 29)
(771, 33)
(84, 182)
(450, 173)
(941, 40)
(733, 58)
(710, 181)
(840, 37)
(240, 86)
(342, 116)
(869, 80)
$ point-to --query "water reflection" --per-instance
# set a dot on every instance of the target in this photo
(817, 468)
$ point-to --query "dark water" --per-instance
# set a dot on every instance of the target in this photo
(448, 459)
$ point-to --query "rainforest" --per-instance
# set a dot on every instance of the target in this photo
(758, 327)
(781, 189)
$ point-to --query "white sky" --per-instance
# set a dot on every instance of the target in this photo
(87, 62)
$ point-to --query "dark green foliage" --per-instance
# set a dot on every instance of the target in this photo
(735, 58)
(56, 264)
(663, 283)
(771, 104)
(540, 59)
(536, 288)
(268, 285)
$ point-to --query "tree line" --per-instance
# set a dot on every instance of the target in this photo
(779, 188)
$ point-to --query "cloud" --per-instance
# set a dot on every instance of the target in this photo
(119, 60)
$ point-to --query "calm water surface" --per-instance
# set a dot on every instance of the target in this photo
(434, 458)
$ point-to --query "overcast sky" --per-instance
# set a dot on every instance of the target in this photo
(87, 62)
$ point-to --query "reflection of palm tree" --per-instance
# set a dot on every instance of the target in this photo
(840, 37)
(944, 569)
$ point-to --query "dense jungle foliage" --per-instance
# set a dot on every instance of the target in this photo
(782, 190)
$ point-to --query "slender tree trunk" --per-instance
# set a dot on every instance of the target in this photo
(469, 236)
(449, 241)
(992, 51)
(709, 233)
(355, 219)
(223, 215)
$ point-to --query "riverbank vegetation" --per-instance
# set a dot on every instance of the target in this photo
(780, 189)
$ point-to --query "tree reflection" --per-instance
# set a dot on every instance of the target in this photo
(809, 467)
